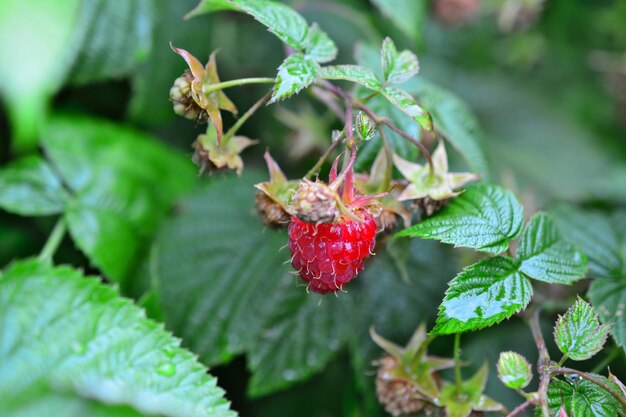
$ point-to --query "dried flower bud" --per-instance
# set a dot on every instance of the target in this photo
(270, 212)
(182, 99)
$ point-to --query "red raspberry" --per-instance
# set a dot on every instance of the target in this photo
(328, 256)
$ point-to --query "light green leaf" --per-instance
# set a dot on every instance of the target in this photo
(73, 344)
(483, 294)
(548, 257)
(397, 67)
(403, 100)
(407, 15)
(118, 36)
(485, 217)
(29, 187)
(578, 334)
(354, 73)
(123, 183)
(282, 21)
(609, 301)
(33, 63)
(295, 73)
(602, 236)
(318, 46)
(213, 249)
(514, 370)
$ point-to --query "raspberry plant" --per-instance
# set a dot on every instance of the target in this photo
(385, 201)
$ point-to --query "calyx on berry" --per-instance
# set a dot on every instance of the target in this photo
(211, 157)
(431, 189)
(407, 381)
(321, 203)
(193, 85)
(274, 196)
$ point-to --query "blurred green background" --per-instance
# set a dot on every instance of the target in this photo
(546, 80)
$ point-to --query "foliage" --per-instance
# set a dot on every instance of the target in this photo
(404, 104)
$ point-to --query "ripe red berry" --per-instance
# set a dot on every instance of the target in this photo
(328, 256)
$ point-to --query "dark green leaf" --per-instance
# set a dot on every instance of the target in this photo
(73, 344)
(559, 394)
(353, 73)
(123, 184)
(483, 294)
(485, 217)
(609, 300)
(117, 38)
(602, 236)
(295, 73)
(407, 15)
(548, 257)
(578, 334)
(215, 259)
(397, 67)
(589, 400)
(30, 188)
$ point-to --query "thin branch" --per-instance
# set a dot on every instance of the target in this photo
(591, 378)
(323, 158)
(543, 364)
(233, 83)
(517, 410)
(231, 132)
(458, 380)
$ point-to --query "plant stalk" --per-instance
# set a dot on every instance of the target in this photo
(543, 364)
(318, 165)
(234, 83)
(53, 242)
(231, 132)
(458, 380)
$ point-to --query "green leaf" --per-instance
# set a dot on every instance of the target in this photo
(354, 73)
(451, 116)
(483, 294)
(29, 187)
(122, 182)
(33, 63)
(318, 46)
(578, 334)
(282, 21)
(485, 217)
(397, 67)
(297, 339)
(214, 259)
(407, 15)
(403, 100)
(548, 257)
(582, 399)
(602, 236)
(514, 370)
(295, 73)
(609, 301)
(118, 36)
(454, 120)
(68, 337)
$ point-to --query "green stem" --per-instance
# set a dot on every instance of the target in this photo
(389, 157)
(323, 158)
(234, 83)
(231, 132)
(53, 242)
(457, 363)
(367, 98)
(562, 361)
